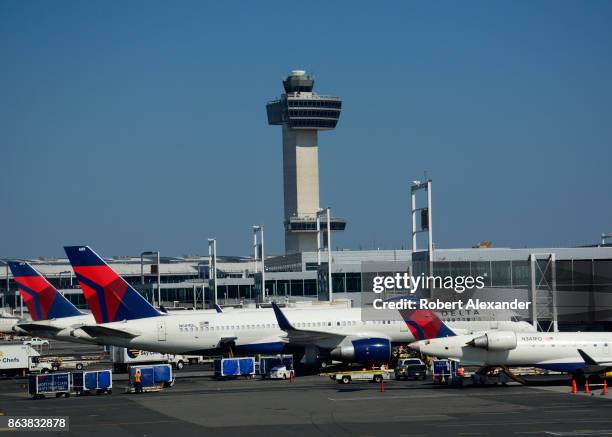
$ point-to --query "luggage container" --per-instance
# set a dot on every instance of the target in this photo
(95, 381)
(445, 372)
(154, 377)
(48, 384)
(234, 367)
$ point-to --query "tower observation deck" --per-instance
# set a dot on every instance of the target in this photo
(302, 113)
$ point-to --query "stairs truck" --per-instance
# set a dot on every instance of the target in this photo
(21, 359)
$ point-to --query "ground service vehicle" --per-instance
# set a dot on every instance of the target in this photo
(377, 376)
(124, 357)
(36, 341)
(20, 359)
(266, 364)
(279, 372)
(410, 368)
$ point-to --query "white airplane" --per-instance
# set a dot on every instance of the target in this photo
(571, 352)
(53, 316)
(126, 319)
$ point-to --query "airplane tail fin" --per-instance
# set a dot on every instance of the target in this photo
(425, 325)
(42, 299)
(108, 295)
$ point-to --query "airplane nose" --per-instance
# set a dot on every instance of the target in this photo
(415, 346)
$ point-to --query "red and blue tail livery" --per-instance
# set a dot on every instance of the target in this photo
(425, 325)
(42, 299)
(108, 295)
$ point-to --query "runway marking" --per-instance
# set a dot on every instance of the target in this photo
(414, 396)
(581, 432)
(147, 422)
(421, 416)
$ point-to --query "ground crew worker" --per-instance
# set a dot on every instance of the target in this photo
(138, 382)
(460, 372)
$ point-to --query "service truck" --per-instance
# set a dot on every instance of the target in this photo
(20, 359)
(346, 377)
(124, 357)
(410, 368)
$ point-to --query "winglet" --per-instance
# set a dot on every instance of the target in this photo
(587, 358)
(218, 308)
(425, 325)
(283, 322)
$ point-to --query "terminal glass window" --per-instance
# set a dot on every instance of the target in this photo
(482, 268)
(602, 277)
(500, 274)
(353, 282)
(297, 287)
(521, 274)
(310, 287)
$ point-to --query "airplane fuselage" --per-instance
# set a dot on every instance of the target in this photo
(257, 331)
(546, 350)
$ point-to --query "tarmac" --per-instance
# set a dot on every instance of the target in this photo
(316, 406)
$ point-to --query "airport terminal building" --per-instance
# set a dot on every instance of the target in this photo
(579, 279)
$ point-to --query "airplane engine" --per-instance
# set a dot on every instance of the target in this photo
(364, 351)
(495, 341)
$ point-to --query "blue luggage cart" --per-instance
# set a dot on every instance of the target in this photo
(153, 377)
(234, 367)
(94, 381)
(47, 384)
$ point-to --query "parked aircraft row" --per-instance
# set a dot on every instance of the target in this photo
(120, 316)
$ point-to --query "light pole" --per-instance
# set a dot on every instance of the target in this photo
(212, 265)
(255, 255)
(329, 254)
(7, 285)
(260, 229)
(150, 253)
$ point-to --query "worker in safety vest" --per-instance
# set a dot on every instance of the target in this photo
(138, 382)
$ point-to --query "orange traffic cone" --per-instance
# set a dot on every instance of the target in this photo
(605, 389)
(574, 386)
(382, 385)
(586, 386)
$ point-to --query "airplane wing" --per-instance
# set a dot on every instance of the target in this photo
(105, 331)
(593, 366)
(304, 336)
(38, 327)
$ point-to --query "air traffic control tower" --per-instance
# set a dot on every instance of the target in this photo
(302, 113)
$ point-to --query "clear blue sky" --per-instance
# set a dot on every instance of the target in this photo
(120, 122)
